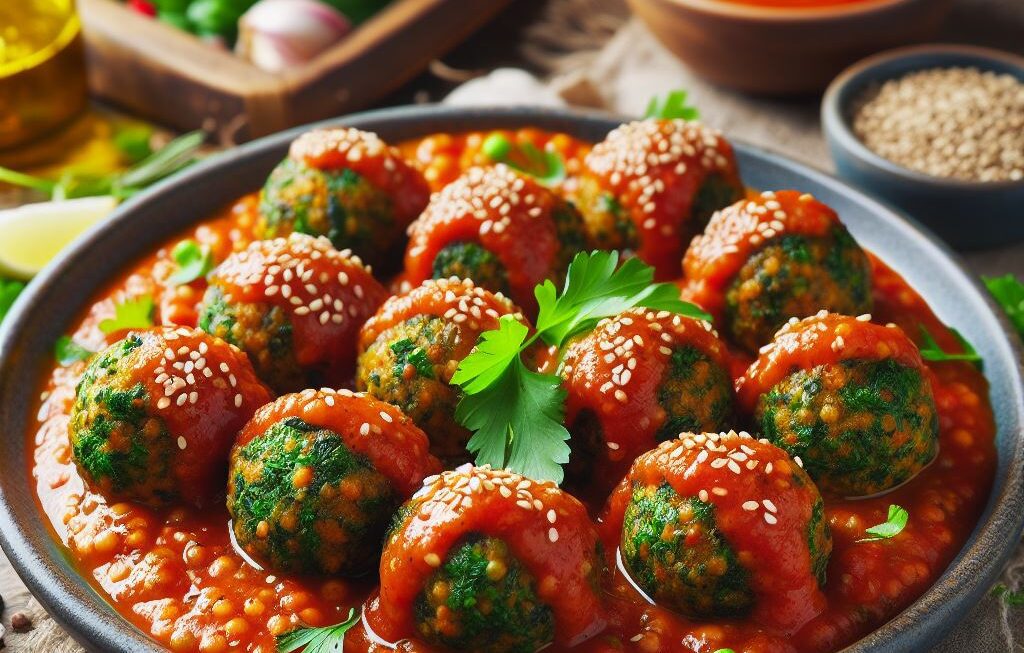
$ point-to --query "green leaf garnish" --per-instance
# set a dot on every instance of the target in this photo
(1013, 598)
(132, 314)
(194, 261)
(672, 106)
(329, 639)
(596, 288)
(174, 156)
(516, 414)
(9, 292)
(68, 352)
(546, 166)
(890, 528)
(133, 142)
(1009, 292)
(725, 650)
(931, 351)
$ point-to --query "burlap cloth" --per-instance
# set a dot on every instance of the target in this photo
(588, 65)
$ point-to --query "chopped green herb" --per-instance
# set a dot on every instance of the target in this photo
(9, 292)
(1014, 598)
(67, 351)
(408, 353)
(516, 414)
(546, 166)
(194, 261)
(672, 106)
(329, 639)
(132, 314)
(890, 528)
(1009, 292)
(725, 650)
(931, 351)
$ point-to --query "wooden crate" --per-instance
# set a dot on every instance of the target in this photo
(171, 77)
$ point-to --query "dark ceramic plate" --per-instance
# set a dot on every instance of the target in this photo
(65, 287)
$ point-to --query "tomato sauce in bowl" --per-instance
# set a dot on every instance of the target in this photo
(175, 573)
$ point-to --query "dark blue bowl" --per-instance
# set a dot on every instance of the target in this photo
(967, 215)
(63, 290)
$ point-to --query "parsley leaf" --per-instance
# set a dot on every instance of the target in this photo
(1009, 292)
(194, 262)
(544, 165)
(329, 639)
(931, 351)
(516, 415)
(9, 292)
(1013, 598)
(596, 288)
(131, 314)
(67, 351)
(891, 527)
(673, 105)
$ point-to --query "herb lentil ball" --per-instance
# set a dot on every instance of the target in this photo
(490, 561)
(483, 599)
(312, 486)
(295, 306)
(653, 184)
(499, 228)
(861, 422)
(718, 525)
(637, 379)
(776, 256)
(344, 184)
(701, 577)
(409, 351)
(155, 415)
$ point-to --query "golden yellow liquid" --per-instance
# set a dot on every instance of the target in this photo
(42, 72)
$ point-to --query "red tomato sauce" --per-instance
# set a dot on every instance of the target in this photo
(175, 575)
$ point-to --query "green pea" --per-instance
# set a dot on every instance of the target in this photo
(497, 147)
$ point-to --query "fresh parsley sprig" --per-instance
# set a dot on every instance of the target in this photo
(1009, 292)
(1013, 598)
(515, 414)
(672, 106)
(131, 314)
(329, 639)
(931, 351)
(891, 527)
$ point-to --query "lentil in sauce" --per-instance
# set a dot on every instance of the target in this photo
(175, 574)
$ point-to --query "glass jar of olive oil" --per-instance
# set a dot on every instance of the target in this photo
(42, 68)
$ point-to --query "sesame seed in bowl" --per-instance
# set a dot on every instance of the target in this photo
(937, 131)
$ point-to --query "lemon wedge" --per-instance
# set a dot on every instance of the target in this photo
(31, 235)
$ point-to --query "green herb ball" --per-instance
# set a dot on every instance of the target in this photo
(796, 276)
(301, 501)
(408, 366)
(467, 260)
(860, 427)
(673, 550)
(341, 205)
(695, 393)
(261, 330)
(483, 599)
(115, 439)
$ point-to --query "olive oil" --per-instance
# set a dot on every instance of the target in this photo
(42, 68)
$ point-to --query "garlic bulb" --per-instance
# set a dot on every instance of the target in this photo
(276, 35)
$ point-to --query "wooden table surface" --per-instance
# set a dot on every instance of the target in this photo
(495, 45)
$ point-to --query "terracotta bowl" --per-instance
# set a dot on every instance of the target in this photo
(785, 51)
